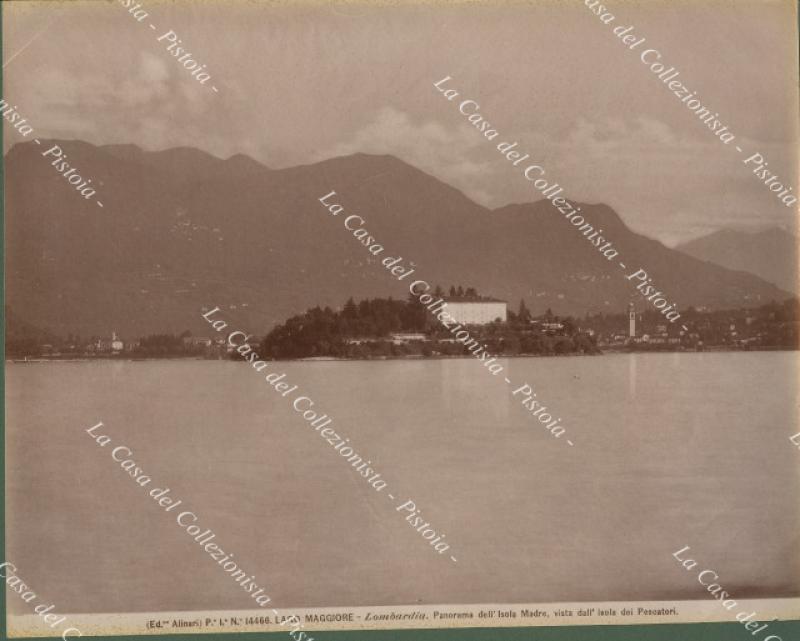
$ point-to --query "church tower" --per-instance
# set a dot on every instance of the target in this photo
(631, 321)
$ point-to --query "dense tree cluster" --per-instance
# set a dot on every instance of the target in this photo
(771, 326)
(364, 330)
(157, 345)
(324, 332)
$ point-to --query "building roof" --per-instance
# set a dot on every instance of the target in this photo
(472, 299)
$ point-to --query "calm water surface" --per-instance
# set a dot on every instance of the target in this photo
(670, 450)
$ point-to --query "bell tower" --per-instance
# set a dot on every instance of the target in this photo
(631, 321)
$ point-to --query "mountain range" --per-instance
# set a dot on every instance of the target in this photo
(770, 254)
(182, 230)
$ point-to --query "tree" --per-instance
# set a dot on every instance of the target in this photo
(512, 344)
(350, 310)
(452, 292)
(524, 314)
(460, 292)
(414, 315)
(563, 345)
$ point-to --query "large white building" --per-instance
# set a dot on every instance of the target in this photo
(478, 311)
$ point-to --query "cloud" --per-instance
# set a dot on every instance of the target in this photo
(154, 104)
(452, 154)
(663, 183)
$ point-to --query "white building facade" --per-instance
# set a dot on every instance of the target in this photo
(478, 312)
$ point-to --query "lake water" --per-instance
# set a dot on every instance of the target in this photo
(669, 450)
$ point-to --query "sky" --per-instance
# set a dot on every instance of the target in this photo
(301, 81)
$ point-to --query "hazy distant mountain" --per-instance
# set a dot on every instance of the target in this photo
(17, 329)
(770, 254)
(181, 229)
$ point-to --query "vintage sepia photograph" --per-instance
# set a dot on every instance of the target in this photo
(380, 315)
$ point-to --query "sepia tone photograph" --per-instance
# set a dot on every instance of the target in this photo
(327, 315)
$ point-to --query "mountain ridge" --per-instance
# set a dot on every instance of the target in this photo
(770, 253)
(174, 238)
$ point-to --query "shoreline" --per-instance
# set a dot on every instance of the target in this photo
(415, 357)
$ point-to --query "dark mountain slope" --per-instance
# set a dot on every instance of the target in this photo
(181, 229)
(770, 254)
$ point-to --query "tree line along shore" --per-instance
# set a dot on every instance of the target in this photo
(381, 328)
